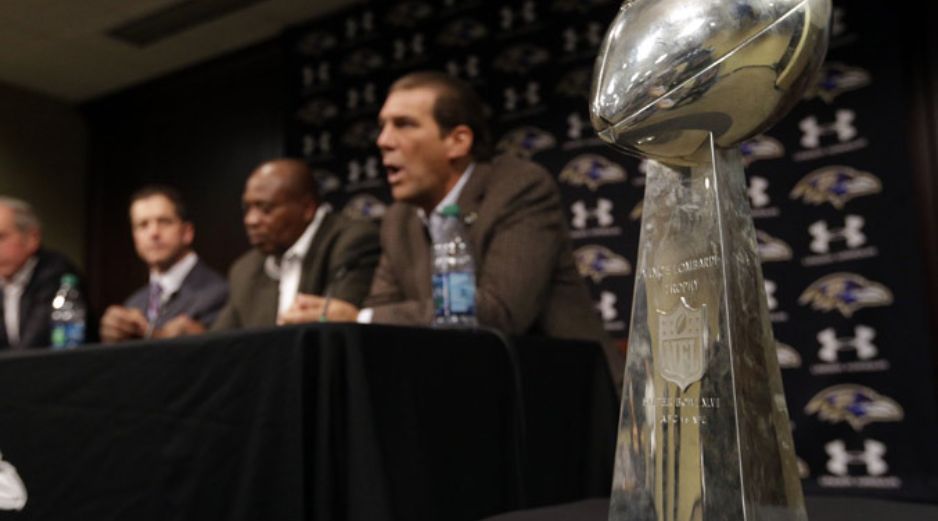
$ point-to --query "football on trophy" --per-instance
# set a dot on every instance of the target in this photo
(672, 72)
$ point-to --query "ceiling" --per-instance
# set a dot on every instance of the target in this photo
(61, 48)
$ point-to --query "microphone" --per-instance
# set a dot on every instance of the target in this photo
(339, 274)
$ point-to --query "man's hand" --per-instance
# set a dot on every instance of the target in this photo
(120, 323)
(309, 308)
(183, 325)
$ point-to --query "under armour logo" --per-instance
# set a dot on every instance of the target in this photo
(770, 288)
(851, 233)
(526, 14)
(365, 96)
(842, 127)
(592, 36)
(359, 24)
(607, 306)
(575, 125)
(317, 144)
(531, 96)
(758, 193)
(862, 343)
(404, 49)
(319, 74)
(468, 68)
(871, 457)
(602, 213)
(369, 168)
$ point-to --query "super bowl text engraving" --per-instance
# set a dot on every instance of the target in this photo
(683, 288)
(681, 411)
(681, 268)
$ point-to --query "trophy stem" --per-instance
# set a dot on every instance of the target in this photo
(704, 431)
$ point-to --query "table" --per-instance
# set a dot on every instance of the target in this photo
(324, 422)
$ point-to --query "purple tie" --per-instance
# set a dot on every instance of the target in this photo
(153, 304)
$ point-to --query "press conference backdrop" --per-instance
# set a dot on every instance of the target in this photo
(829, 186)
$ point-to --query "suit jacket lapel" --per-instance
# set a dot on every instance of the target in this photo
(313, 278)
(470, 202)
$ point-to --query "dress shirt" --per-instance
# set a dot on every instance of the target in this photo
(289, 268)
(12, 291)
(433, 224)
(171, 280)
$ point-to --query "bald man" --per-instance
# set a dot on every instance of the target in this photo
(300, 248)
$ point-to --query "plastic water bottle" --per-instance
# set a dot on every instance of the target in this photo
(454, 276)
(68, 315)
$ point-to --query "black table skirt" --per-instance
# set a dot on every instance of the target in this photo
(327, 422)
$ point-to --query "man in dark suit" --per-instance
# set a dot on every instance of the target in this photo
(184, 295)
(29, 278)
(437, 150)
(301, 249)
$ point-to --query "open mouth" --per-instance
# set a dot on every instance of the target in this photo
(394, 173)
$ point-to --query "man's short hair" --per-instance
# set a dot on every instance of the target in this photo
(24, 218)
(166, 191)
(456, 104)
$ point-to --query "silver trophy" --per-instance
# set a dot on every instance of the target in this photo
(704, 433)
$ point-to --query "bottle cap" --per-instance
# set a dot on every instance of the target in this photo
(70, 279)
(450, 210)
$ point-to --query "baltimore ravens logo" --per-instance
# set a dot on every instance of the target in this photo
(598, 262)
(13, 494)
(837, 78)
(409, 14)
(845, 292)
(855, 404)
(520, 59)
(772, 249)
(314, 44)
(526, 141)
(576, 83)
(761, 147)
(584, 6)
(361, 134)
(636, 213)
(327, 181)
(365, 207)
(788, 357)
(362, 62)
(317, 111)
(462, 33)
(592, 171)
(835, 185)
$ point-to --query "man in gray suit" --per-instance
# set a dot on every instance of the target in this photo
(437, 150)
(184, 295)
(301, 250)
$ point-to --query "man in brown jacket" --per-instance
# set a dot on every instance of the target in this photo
(437, 151)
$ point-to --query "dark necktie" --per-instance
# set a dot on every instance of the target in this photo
(4, 341)
(154, 302)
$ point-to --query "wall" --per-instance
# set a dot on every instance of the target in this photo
(201, 130)
(42, 160)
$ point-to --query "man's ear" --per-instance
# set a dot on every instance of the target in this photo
(188, 233)
(309, 209)
(459, 142)
(33, 239)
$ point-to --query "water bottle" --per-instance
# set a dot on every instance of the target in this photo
(68, 315)
(454, 276)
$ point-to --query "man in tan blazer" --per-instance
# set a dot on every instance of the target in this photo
(300, 248)
(437, 150)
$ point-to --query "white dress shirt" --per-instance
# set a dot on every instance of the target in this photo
(289, 269)
(12, 292)
(171, 280)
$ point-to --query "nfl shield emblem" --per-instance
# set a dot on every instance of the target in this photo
(682, 342)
